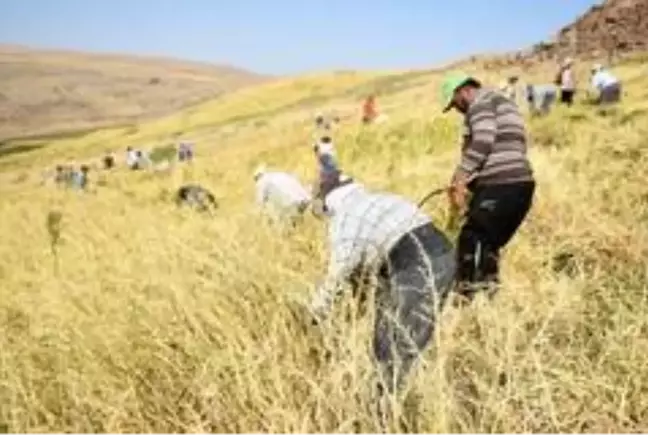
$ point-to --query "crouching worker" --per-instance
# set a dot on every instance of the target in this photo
(388, 240)
(196, 196)
(540, 98)
(281, 195)
(605, 86)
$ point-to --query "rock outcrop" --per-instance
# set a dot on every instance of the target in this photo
(612, 28)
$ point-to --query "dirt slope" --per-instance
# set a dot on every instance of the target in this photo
(610, 29)
(46, 92)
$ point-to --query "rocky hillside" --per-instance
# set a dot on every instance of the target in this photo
(48, 92)
(614, 27)
(611, 29)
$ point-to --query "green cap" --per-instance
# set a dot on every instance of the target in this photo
(450, 84)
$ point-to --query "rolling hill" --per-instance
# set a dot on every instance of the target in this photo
(49, 92)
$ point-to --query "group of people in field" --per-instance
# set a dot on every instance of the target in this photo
(67, 175)
(604, 88)
(389, 241)
(383, 242)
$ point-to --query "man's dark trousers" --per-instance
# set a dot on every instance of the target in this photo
(494, 215)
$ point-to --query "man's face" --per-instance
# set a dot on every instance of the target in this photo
(460, 100)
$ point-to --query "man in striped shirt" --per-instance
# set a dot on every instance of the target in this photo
(495, 168)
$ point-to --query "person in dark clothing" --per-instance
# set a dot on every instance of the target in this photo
(108, 161)
(494, 215)
(495, 168)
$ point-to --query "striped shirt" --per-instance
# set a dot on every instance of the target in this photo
(494, 144)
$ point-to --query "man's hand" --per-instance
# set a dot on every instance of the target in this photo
(457, 193)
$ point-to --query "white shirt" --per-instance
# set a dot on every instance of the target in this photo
(280, 189)
(326, 157)
(325, 148)
(603, 79)
(131, 158)
(364, 226)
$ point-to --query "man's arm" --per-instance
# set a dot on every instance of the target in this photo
(482, 126)
(343, 260)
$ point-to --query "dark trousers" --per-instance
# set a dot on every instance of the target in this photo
(185, 155)
(413, 284)
(567, 96)
(610, 94)
(494, 215)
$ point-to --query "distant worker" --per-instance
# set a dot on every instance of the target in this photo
(280, 195)
(61, 176)
(327, 166)
(385, 239)
(80, 178)
(325, 153)
(108, 161)
(605, 86)
(185, 152)
(133, 158)
(566, 79)
(510, 88)
(495, 167)
(540, 98)
(369, 111)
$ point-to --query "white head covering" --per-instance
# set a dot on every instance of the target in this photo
(325, 146)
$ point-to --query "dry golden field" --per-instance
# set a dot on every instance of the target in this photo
(146, 318)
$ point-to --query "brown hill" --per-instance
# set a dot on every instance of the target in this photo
(46, 92)
(610, 29)
(614, 27)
